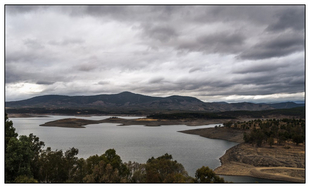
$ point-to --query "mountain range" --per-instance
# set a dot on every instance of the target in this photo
(127, 102)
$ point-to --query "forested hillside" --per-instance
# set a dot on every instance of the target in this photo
(129, 103)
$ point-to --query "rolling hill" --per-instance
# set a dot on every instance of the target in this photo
(127, 102)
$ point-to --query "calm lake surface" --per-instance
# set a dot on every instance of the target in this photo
(132, 143)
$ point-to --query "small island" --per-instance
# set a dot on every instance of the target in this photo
(81, 123)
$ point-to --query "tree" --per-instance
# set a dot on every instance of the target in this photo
(79, 171)
(246, 138)
(103, 173)
(9, 130)
(207, 175)
(228, 124)
(52, 166)
(137, 172)
(298, 139)
(21, 155)
(270, 141)
(70, 161)
(106, 168)
(164, 169)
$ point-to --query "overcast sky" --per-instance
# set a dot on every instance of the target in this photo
(214, 53)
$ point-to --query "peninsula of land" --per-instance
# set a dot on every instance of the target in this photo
(81, 123)
(279, 162)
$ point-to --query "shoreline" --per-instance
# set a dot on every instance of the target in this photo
(235, 168)
(274, 163)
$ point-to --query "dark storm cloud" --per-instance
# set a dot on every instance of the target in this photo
(156, 80)
(103, 82)
(291, 17)
(259, 68)
(194, 69)
(45, 83)
(222, 42)
(21, 9)
(162, 33)
(266, 66)
(127, 13)
(278, 46)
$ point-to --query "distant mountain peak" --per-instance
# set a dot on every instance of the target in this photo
(126, 92)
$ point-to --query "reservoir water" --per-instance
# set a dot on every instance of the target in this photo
(132, 143)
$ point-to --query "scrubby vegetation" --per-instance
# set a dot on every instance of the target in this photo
(26, 161)
(298, 112)
(190, 116)
(271, 131)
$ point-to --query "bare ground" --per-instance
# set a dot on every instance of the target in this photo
(279, 162)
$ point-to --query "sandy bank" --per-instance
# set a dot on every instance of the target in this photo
(275, 163)
(285, 163)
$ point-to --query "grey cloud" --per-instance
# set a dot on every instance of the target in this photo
(291, 17)
(88, 64)
(215, 43)
(257, 15)
(15, 75)
(12, 75)
(45, 83)
(21, 9)
(67, 41)
(86, 67)
(194, 69)
(103, 82)
(156, 80)
(128, 13)
(33, 43)
(259, 67)
(162, 33)
(106, 10)
(279, 46)
(22, 56)
(222, 41)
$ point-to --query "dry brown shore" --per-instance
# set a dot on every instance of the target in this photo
(284, 163)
